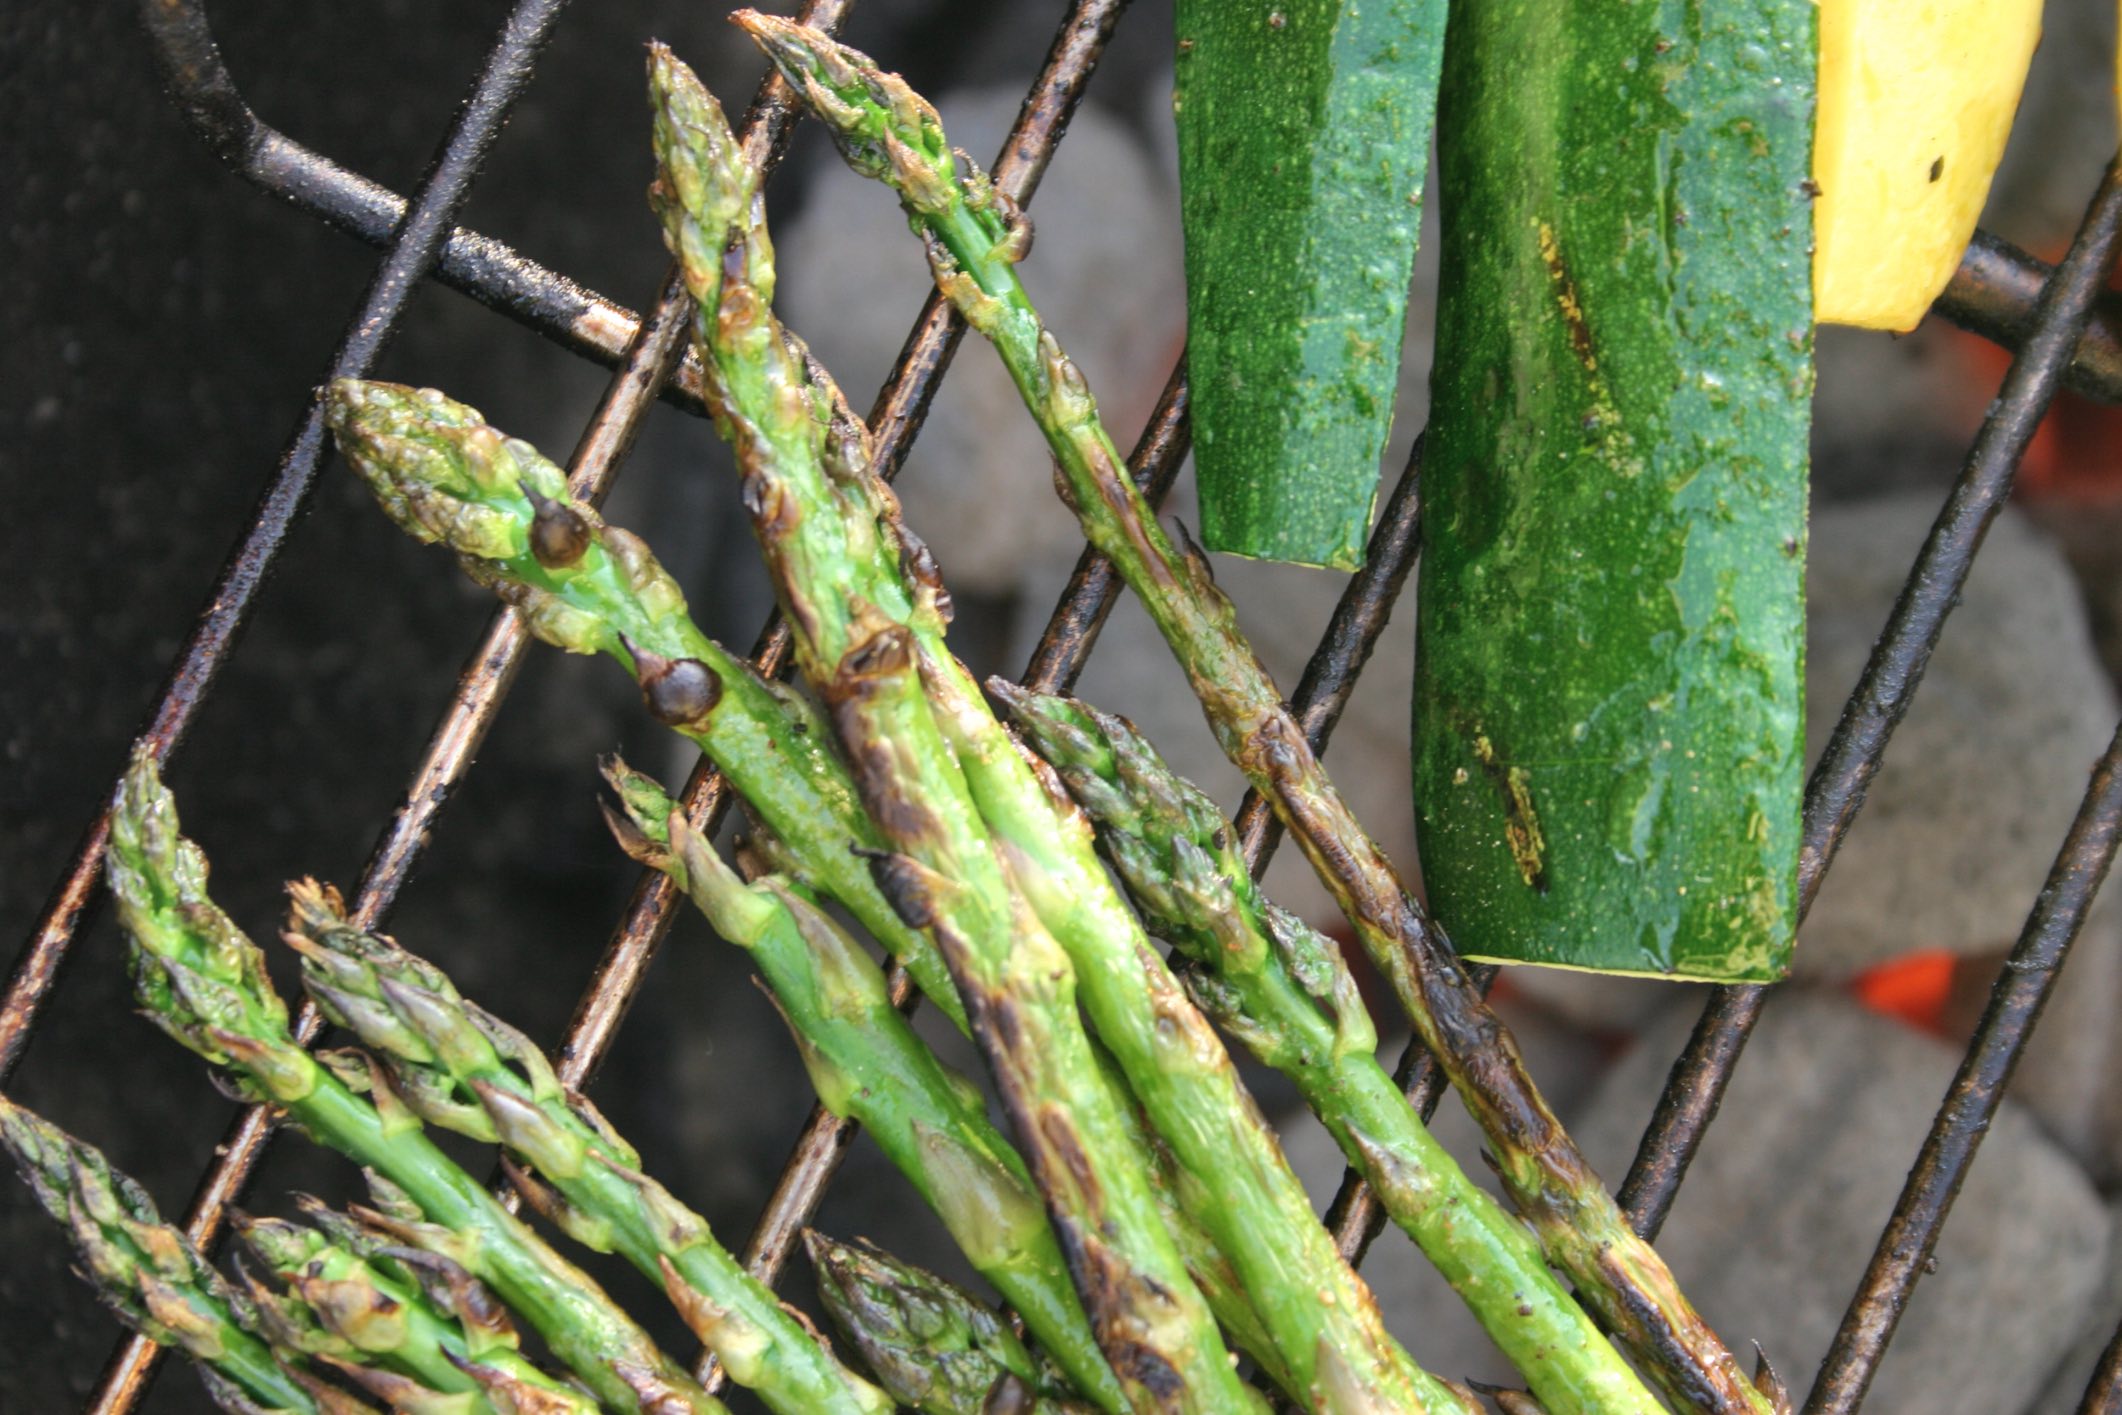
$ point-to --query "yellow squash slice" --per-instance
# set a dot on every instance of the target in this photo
(1916, 100)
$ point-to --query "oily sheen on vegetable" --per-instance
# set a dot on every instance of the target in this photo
(1608, 699)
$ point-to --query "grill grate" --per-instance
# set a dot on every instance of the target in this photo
(2049, 317)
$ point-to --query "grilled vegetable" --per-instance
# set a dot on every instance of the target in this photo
(1916, 100)
(1303, 137)
(1608, 705)
(1319, 1314)
(817, 528)
(930, 1344)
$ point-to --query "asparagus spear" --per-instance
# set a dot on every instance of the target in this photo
(463, 1069)
(441, 473)
(204, 983)
(414, 1329)
(866, 608)
(152, 1278)
(886, 131)
(1283, 990)
(934, 1347)
(868, 1065)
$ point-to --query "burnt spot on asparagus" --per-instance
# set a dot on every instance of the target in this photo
(559, 534)
(679, 692)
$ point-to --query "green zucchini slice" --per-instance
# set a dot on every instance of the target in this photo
(1608, 706)
(1304, 130)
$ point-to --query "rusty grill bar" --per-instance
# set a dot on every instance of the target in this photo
(2064, 329)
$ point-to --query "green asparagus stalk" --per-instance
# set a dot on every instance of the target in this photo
(463, 1069)
(886, 131)
(943, 874)
(441, 473)
(1284, 991)
(868, 1065)
(204, 983)
(863, 597)
(413, 1329)
(933, 1345)
(152, 1278)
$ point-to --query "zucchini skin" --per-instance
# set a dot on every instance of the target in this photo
(1608, 706)
(1304, 129)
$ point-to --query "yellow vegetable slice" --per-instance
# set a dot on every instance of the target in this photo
(1916, 100)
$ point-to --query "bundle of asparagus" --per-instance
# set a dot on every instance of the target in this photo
(888, 132)
(1005, 882)
(1145, 1215)
(201, 980)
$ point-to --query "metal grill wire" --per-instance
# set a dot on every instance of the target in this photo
(2004, 294)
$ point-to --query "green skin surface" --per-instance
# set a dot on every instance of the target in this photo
(1303, 136)
(869, 1066)
(1608, 707)
(204, 983)
(146, 1271)
(1284, 992)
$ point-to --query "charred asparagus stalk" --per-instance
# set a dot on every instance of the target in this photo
(463, 1069)
(1283, 990)
(867, 1064)
(152, 1278)
(204, 983)
(867, 609)
(886, 131)
(931, 1344)
(415, 1330)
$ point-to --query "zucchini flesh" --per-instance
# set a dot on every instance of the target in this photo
(1304, 130)
(1608, 706)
